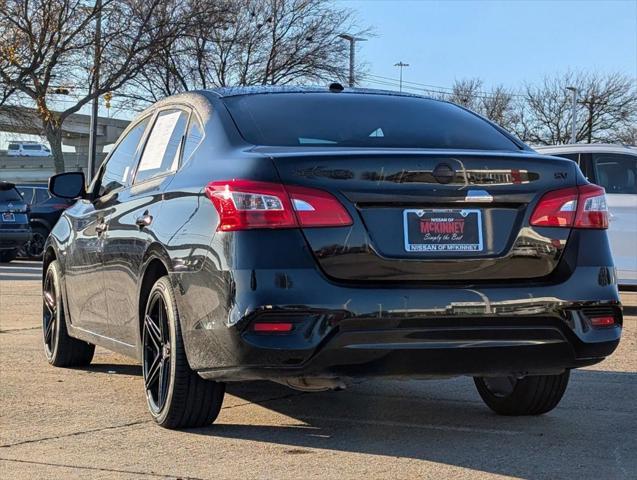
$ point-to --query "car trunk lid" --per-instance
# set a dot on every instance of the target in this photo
(441, 216)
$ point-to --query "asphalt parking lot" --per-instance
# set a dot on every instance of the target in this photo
(92, 422)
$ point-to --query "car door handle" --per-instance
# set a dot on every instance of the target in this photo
(100, 228)
(144, 221)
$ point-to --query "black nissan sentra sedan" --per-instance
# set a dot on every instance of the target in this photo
(313, 235)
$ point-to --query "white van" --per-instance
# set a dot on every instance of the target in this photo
(28, 149)
(614, 167)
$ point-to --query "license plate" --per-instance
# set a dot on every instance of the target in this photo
(448, 230)
(8, 217)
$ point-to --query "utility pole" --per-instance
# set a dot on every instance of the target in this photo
(401, 65)
(352, 51)
(573, 114)
(92, 139)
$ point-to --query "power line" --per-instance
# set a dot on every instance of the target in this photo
(435, 88)
(408, 87)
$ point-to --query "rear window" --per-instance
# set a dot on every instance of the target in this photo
(28, 194)
(359, 120)
(14, 146)
(10, 195)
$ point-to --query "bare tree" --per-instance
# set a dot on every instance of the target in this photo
(607, 105)
(496, 105)
(628, 135)
(466, 93)
(258, 42)
(47, 47)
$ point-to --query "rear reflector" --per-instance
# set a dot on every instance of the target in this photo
(602, 321)
(272, 327)
(247, 204)
(573, 207)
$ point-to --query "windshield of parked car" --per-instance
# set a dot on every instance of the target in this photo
(361, 120)
(10, 195)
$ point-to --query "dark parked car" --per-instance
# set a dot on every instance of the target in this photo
(45, 212)
(308, 236)
(14, 221)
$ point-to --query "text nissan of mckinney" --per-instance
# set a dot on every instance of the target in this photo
(309, 236)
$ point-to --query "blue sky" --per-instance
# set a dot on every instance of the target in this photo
(502, 42)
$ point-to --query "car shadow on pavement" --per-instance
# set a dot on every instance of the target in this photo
(446, 422)
(113, 369)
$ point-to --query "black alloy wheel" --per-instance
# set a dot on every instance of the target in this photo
(500, 386)
(49, 312)
(35, 246)
(156, 358)
(60, 348)
(530, 395)
(177, 396)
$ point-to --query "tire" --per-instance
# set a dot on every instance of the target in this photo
(7, 255)
(532, 395)
(35, 247)
(177, 396)
(61, 350)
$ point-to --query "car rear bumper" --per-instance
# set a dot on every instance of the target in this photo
(426, 331)
(12, 239)
(535, 348)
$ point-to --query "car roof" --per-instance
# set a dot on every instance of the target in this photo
(269, 89)
(587, 147)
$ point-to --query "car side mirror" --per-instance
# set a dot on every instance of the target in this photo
(68, 185)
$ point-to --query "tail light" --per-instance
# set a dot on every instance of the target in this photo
(573, 207)
(247, 204)
(273, 327)
(607, 321)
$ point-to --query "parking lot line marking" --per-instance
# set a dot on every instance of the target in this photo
(20, 274)
(99, 469)
(425, 426)
(22, 266)
(25, 278)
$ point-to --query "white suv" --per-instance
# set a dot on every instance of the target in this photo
(614, 167)
(28, 149)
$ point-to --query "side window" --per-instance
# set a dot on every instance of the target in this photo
(577, 158)
(41, 195)
(122, 161)
(193, 137)
(615, 172)
(161, 154)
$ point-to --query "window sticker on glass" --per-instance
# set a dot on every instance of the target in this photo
(158, 141)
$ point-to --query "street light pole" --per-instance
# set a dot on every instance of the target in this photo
(573, 114)
(401, 65)
(92, 140)
(352, 52)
